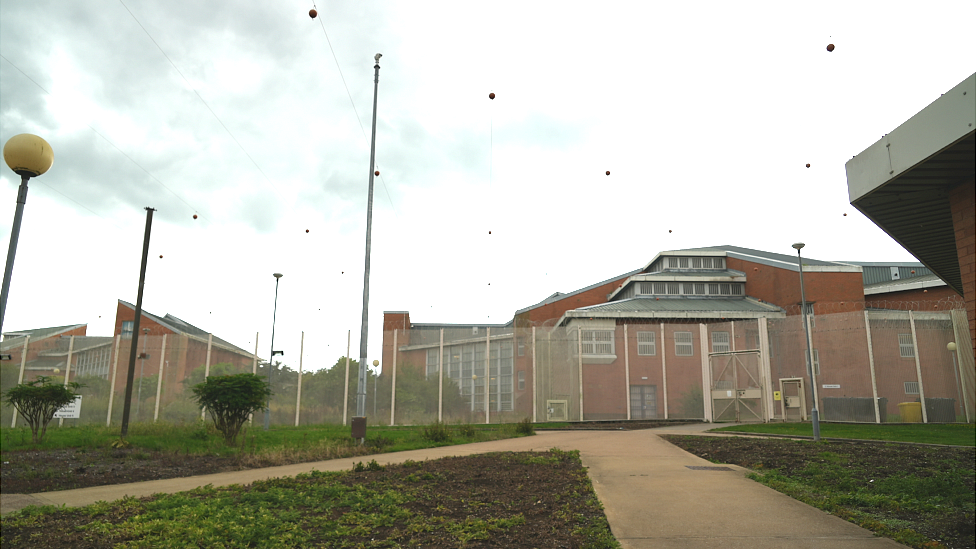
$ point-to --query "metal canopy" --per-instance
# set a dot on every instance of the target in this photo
(902, 182)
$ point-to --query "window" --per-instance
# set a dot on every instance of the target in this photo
(720, 342)
(911, 387)
(521, 348)
(816, 361)
(683, 345)
(127, 329)
(598, 342)
(905, 346)
(646, 345)
(521, 381)
(706, 263)
(672, 262)
(432, 362)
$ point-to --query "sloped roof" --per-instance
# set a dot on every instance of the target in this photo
(677, 307)
(759, 256)
(905, 284)
(183, 327)
(15, 338)
(559, 295)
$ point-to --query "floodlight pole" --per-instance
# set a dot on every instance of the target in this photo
(814, 414)
(361, 391)
(130, 375)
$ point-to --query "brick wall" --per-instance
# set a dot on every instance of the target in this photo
(962, 201)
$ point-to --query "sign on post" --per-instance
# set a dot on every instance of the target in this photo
(72, 410)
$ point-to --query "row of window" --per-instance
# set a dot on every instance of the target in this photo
(717, 263)
(466, 365)
(691, 288)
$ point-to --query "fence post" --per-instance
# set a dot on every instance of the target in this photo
(918, 368)
(206, 373)
(579, 354)
(766, 366)
(874, 380)
(535, 387)
(706, 373)
(111, 390)
(440, 379)
(20, 377)
(627, 372)
(393, 380)
(159, 380)
(664, 370)
(345, 390)
(254, 370)
(301, 357)
(67, 370)
(487, 375)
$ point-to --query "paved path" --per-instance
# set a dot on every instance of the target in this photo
(651, 496)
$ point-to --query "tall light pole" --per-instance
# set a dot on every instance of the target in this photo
(814, 414)
(131, 372)
(28, 156)
(361, 393)
(274, 317)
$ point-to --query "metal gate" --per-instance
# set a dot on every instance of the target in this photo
(643, 401)
(737, 387)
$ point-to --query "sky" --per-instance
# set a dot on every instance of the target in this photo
(257, 119)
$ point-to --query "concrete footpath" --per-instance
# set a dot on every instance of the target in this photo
(654, 493)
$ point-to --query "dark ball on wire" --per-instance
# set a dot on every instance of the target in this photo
(377, 172)
(194, 216)
(313, 14)
(491, 95)
(608, 172)
(830, 47)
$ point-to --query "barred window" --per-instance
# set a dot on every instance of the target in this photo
(911, 387)
(905, 346)
(127, 329)
(816, 361)
(598, 342)
(646, 344)
(683, 345)
(521, 381)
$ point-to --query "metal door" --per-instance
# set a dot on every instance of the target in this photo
(737, 388)
(643, 401)
(793, 404)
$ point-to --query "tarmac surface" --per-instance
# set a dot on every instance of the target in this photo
(652, 495)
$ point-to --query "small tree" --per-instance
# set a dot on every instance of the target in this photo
(231, 399)
(38, 400)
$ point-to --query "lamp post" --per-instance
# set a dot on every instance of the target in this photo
(267, 408)
(361, 393)
(28, 156)
(814, 414)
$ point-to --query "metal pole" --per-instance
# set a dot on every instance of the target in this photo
(361, 391)
(274, 317)
(12, 250)
(814, 414)
(127, 405)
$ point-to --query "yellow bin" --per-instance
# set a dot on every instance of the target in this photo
(911, 412)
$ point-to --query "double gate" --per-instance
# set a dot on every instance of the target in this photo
(737, 387)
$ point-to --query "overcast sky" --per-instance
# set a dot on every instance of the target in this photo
(705, 114)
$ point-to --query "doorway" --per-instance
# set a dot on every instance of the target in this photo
(643, 402)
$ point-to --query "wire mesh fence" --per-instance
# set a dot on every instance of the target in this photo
(871, 366)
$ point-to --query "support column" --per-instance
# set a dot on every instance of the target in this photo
(874, 379)
(111, 390)
(918, 369)
(20, 376)
(159, 378)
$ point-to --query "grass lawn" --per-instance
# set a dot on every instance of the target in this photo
(954, 434)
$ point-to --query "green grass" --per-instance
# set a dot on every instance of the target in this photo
(953, 434)
(202, 438)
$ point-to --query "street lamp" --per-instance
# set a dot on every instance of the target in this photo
(814, 414)
(28, 156)
(267, 408)
(361, 392)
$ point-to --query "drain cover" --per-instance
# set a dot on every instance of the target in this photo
(707, 468)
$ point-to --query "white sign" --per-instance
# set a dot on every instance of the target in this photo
(831, 386)
(72, 410)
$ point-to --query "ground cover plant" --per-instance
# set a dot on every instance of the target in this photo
(919, 495)
(956, 434)
(79, 457)
(525, 499)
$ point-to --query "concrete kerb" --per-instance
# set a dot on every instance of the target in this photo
(653, 493)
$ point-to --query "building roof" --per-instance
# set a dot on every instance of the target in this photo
(82, 343)
(183, 327)
(783, 261)
(677, 307)
(901, 182)
(15, 338)
(559, 296)
(905, 284)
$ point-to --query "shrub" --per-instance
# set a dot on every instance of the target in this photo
(38, 400)
(437, 432)
(524, 427)
(231, 399)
